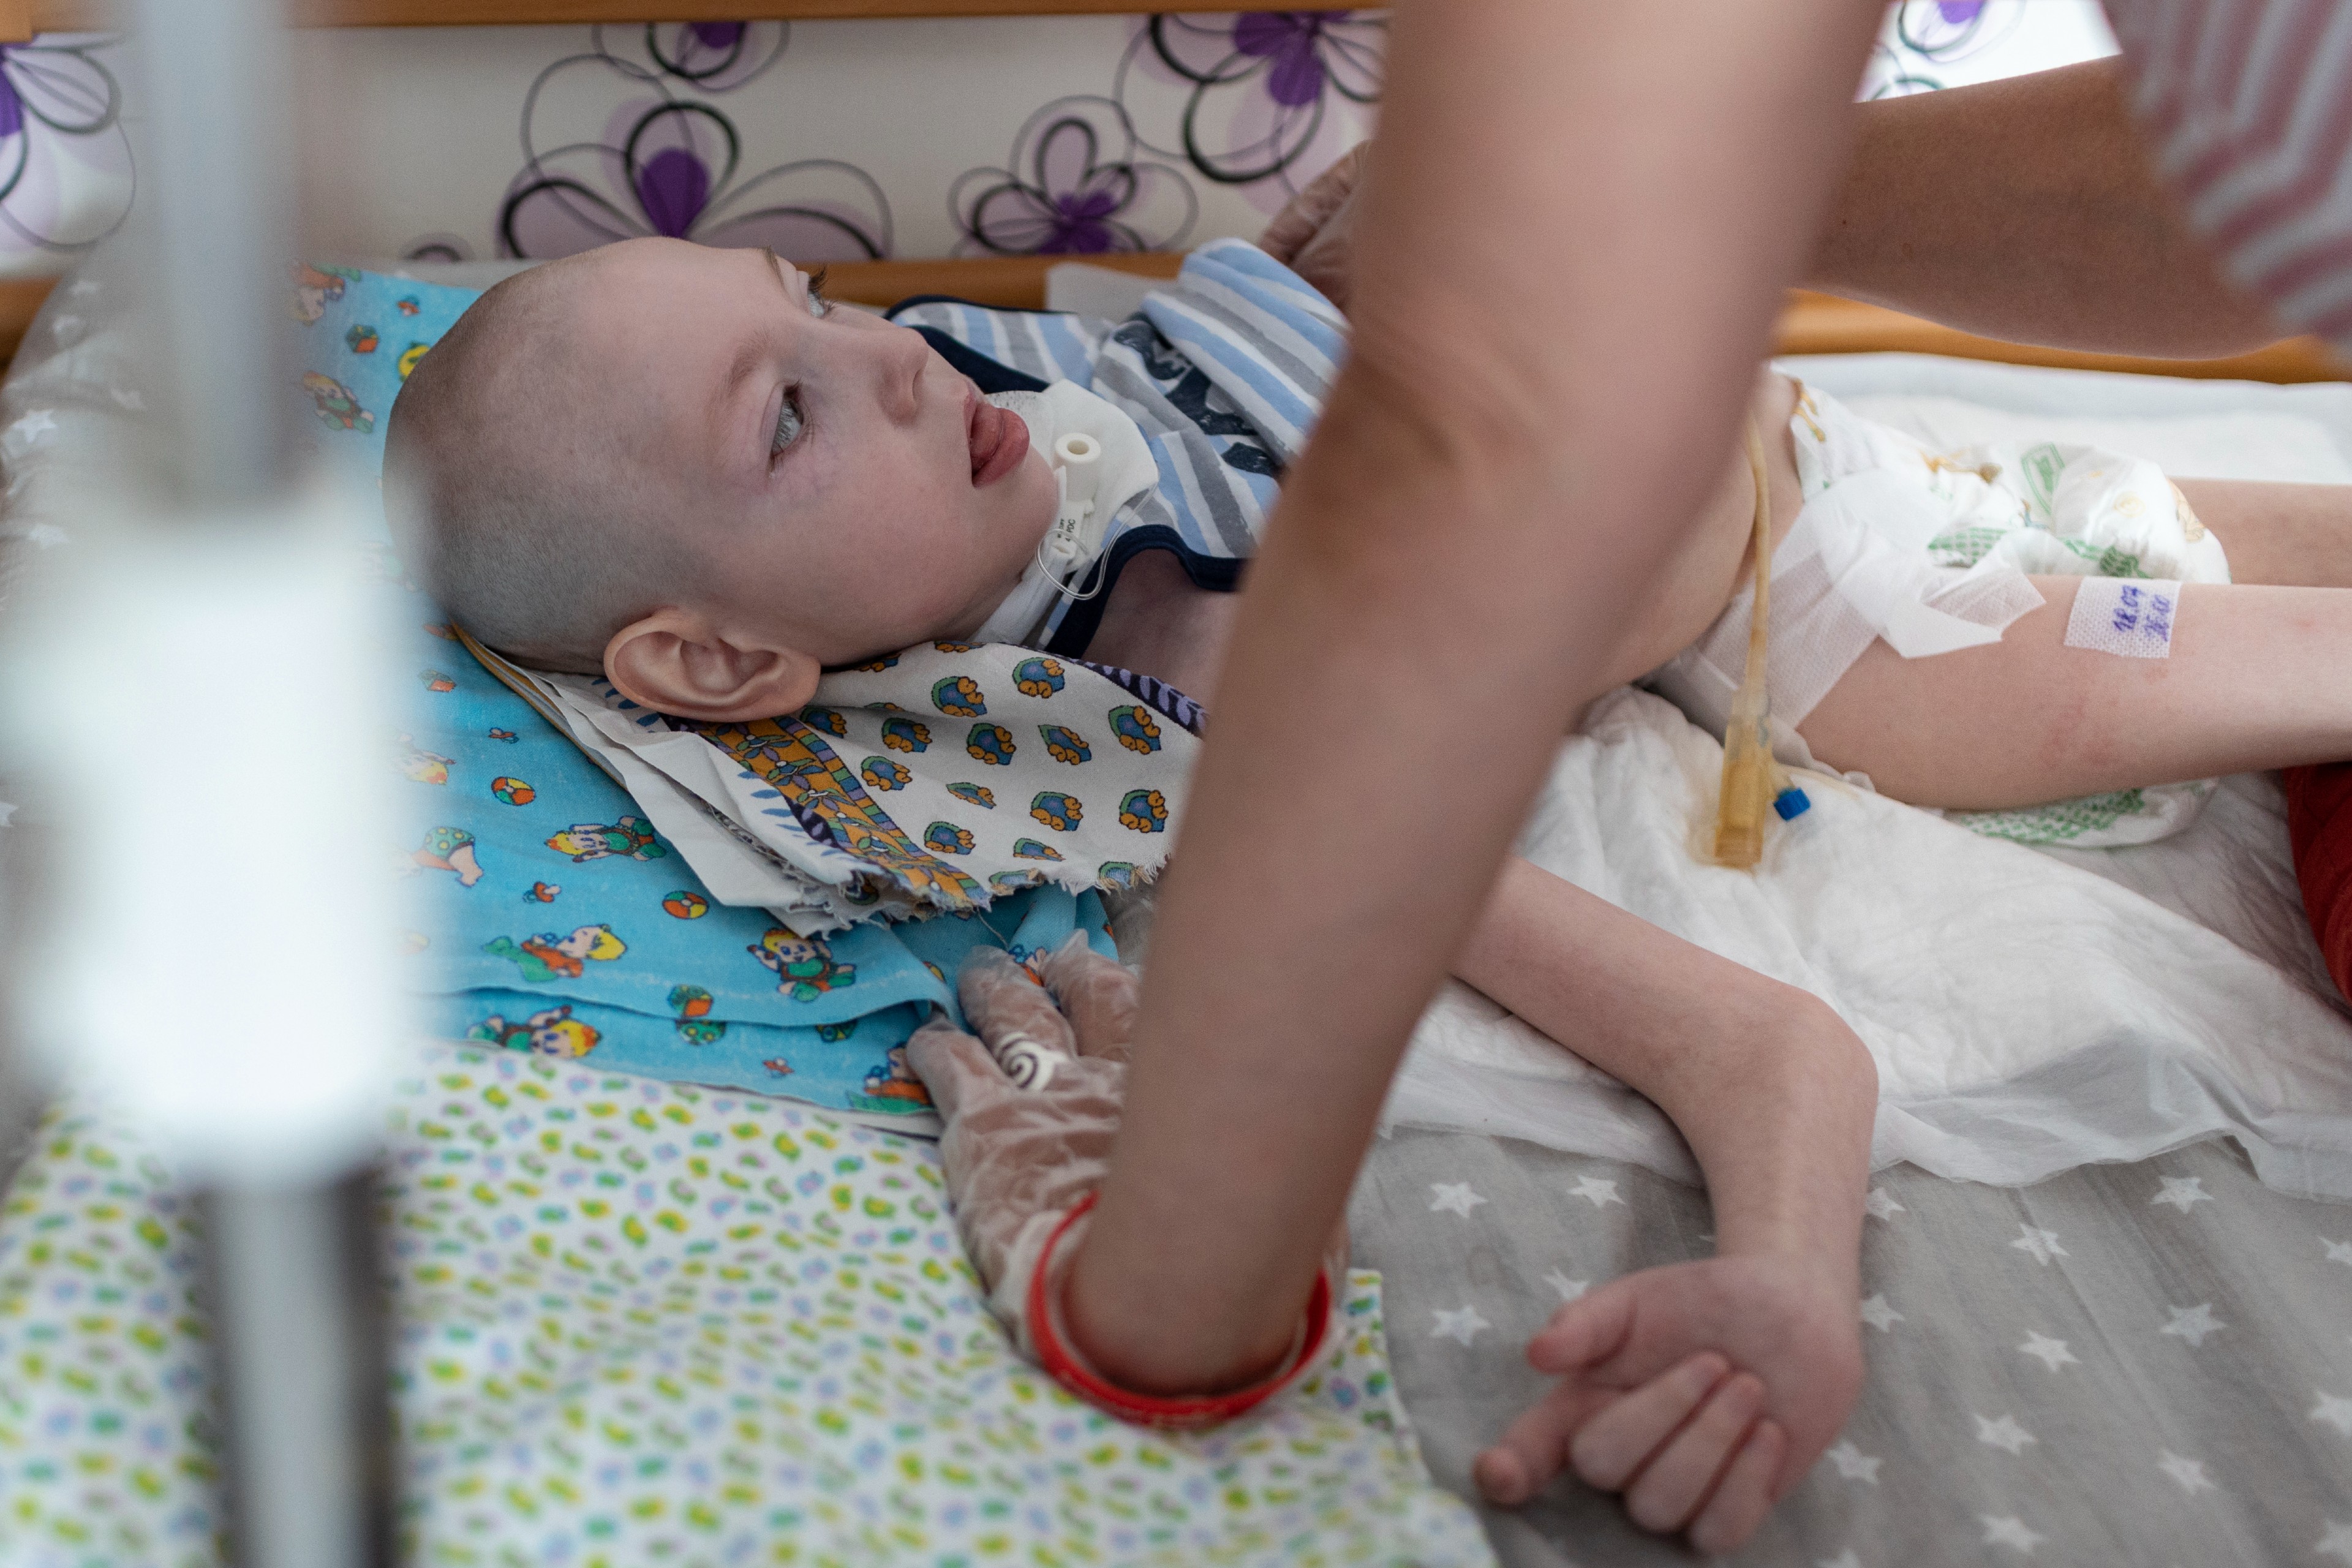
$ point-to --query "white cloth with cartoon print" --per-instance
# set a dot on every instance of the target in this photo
(932, 781)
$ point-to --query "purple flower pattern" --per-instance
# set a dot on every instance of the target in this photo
(1922, 35)
(1259, 86)
(1072, 186)
(59, 101)
(667, 163)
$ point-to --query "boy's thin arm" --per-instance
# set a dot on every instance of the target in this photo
(1581, 218)
(1774, 1094)
(2028, 209)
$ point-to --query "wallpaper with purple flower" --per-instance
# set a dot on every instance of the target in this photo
(832, 141)
(66, 171)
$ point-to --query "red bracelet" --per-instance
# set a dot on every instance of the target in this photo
(1154, 1410)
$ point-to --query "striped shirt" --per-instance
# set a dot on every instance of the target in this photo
(1224, 370)
(2249, 104)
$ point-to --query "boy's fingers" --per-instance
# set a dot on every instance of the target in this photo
(1003, 1004)
(1533, 1449)
(1584, 1332)
(1616, 1443)
(1676, 1483)
(1099, 996)
(1743, 1496)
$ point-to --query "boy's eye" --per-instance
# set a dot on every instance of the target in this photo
(818, 305)
(789, 422)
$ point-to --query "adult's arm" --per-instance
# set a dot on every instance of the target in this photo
(2030, 209)
(1579, 221)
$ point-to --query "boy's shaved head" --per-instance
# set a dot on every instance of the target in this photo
(519, 516)
(674, 465)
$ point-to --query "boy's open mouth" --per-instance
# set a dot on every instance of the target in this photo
(998, 437)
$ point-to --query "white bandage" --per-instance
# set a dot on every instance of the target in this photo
(2128, 617)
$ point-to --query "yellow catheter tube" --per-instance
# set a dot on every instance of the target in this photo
(1748, 769)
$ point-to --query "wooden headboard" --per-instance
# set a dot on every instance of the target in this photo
(1811, 325)
(20, 19)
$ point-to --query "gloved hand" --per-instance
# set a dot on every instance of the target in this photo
(1315, 235)
(1020, 1160)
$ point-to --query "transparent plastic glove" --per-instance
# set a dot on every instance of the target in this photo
(1019, 1159)
(1315, 235)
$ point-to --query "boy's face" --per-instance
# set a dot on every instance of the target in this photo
(836, 483)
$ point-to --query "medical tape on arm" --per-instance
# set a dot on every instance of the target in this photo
(2130, 617)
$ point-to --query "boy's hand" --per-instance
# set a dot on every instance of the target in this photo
(1701, 1390)
(1315, 235)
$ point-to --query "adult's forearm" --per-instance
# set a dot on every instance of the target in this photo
(2028, 209)
(1580, 218)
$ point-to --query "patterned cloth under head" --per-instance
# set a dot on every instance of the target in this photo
(932, 781)
(548, 913)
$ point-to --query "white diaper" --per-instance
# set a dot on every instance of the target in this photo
(1932, 552)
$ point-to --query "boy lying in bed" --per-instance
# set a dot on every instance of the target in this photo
(679, 466)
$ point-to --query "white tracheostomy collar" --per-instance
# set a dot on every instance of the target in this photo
(1100, 463)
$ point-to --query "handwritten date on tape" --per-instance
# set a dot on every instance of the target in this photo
(2131, 617)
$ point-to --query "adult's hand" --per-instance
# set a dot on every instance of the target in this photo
(1020, 1156)
(1315, 235)
(1032, 1106)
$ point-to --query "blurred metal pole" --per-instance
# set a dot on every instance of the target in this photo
(221, 173)
(293, 1282)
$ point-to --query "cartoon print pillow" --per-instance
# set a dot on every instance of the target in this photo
(362, 333)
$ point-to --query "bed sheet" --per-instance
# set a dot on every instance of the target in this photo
(638, 1322)
(2025, 1015)
(2142, 1365)
(2139, 1257)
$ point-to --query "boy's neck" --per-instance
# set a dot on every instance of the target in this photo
(1158, 623)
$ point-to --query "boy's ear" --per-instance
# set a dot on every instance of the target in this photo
(674, 662)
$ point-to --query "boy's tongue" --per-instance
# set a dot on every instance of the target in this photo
(999, 441)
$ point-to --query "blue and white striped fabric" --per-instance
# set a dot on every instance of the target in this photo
(1225, 372)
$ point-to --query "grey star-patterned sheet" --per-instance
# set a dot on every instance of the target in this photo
(2145, 1363)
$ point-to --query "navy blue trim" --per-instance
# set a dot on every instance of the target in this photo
(986, 373)
(1216, 573)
